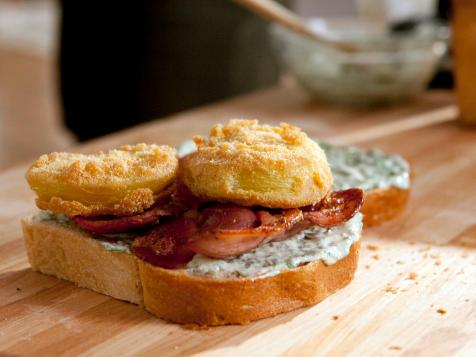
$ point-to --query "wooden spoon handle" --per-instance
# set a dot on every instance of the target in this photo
(275, 12)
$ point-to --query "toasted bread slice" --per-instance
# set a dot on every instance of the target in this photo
(175, 295)
(178, 297)
(71, 254)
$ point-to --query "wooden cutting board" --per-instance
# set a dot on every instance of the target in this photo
(414, 292)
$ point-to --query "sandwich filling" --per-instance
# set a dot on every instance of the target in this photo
(314, 243)
(226, 240)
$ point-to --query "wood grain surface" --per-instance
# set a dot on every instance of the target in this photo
(414, 292)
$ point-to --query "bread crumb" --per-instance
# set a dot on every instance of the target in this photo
(438, 262)
(411, 243)
(373, 247)
(376, 256)
(395, 348)
(441, 311)
(466, 300)
(446, 269)
(391, 289)
(425, 249)
(435, 256)
(335, 317)
(413, 276)
(367, 266)
(400, 262)
(464, 255)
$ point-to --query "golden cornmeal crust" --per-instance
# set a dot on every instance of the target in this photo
(182, 298)
(383, 204)
(121, 182)
(73, 255)
(174, 295)
(251, 164)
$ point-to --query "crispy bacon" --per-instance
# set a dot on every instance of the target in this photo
(165, 246)
(103, 225)
(336, 209)
(225, 238)
(226, 230)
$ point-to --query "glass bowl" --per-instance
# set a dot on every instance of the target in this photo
(387, 67)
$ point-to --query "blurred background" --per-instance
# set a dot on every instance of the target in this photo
(73, 71)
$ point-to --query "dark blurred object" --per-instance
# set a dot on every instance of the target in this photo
(123, 63)
(444, 76)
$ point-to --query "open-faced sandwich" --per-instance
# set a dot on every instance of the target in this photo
(246, 227)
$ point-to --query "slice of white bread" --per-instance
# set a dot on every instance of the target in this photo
(174, 295)
(71, 254)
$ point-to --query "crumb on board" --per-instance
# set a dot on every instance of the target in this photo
(413, 276)
(395, 348)
(376, 256)
(466, 300)
(438, 262)
(335, 317)
(391, 289)
(373, 247)
(400, 262)
(441, 311)
(446, 269)
(367, 266)
(424, 249)
(411, 243)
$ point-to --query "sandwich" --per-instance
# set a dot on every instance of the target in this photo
(246, 227)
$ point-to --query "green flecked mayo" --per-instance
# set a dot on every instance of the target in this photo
(366, 168)
(327, 244)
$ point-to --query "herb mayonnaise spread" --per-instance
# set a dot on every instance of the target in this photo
(366, 168)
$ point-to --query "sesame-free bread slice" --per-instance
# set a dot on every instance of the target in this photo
(72, 255)
(176, 296)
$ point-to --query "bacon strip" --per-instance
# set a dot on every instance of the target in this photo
(124, 224)
(336, 209)
(226, 230)
(224, 241)
(164, 245)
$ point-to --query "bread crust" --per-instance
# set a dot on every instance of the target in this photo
(73, 255)
(251, 164)
(383, 204)
(178, 297)
(124, 181)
